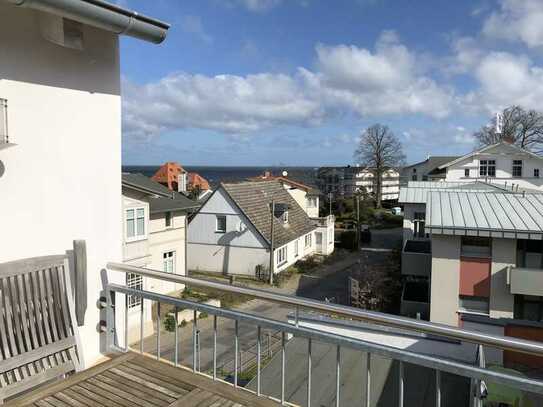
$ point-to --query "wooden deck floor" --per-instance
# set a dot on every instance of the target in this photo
(136, 380)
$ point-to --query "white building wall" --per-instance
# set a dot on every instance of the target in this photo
(504, 168)
(62, 180)
(390, 185)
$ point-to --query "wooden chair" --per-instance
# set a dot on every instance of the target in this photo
(39, 340)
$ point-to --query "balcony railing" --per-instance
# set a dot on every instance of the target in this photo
(417, 258)
(325, 221)
(526, 281)
(439, 365)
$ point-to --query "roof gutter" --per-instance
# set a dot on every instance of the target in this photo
(100, 14)
(145, 190)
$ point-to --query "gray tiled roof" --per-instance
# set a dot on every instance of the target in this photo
(509, 215)
(178, 202)
(166, 201)
(143, 183)
(254, 199)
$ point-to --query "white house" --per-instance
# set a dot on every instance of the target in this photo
(502, 163)
(390, 183)
(427, 170)
(60, 148)
(231, 232)
(154, 236)
(309, 200)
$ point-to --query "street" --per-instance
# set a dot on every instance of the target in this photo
(327, 281)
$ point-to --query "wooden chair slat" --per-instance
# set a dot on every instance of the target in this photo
(37, 354)
(39, 340)
(9, 325)
(25, 266)
(38, 316)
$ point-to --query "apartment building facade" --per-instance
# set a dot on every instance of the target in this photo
(344, 182)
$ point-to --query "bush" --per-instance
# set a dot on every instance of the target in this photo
(203, 315)
(183, 323)
(169, 323)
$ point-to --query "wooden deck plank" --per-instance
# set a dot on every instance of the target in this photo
(143, 391)
(159, 370)
(137, 380)
(60, 385)
(139, 377)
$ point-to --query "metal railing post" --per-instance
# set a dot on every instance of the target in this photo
(126, 323)
(194, 328)
(368, 379)
(176, 338)
(214, 347)
(236, 349)
(438, 388)
(158, 330)
(401, 383)
(258, 359)
(309, 356)
(141, 324)
(283, 343)
(338, 373)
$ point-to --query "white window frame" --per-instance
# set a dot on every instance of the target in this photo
(466, 172)
(168, 218)
(331, 236)
(138, 234)
(308, 239)
(284, 217)
(536, 172)
(217, 230)
(485, 166)
(311, 202)
(516, 165)
(134, 281)
(296, 248)
(168, 258)
(281, 257)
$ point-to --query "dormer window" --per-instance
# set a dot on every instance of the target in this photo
(4, 139)
(487, 168)
(281, 212)
(517, 168)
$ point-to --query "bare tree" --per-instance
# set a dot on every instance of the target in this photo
(521, 127)
(379, 150)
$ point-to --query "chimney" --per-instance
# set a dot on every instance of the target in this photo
(182, 182)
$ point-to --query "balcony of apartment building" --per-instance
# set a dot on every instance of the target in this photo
(526, 278)
(42, 362)
(417, 258)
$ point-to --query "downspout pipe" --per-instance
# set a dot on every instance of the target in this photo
(100, 14)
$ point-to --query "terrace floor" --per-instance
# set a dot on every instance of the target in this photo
(136, 380)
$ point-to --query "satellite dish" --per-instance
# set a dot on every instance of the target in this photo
(285, 173)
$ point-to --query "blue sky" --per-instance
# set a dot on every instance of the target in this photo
(295, 82)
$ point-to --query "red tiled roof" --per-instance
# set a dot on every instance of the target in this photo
(196, 180)
(168, 174)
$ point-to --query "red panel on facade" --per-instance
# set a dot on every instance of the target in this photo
(475, 277)
(516, 359)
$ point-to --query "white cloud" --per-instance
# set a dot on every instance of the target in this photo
(517, 20)
(347, 79)
(259, 5)
(225, 103)
(193, 25)
(386, 81)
